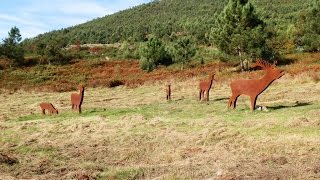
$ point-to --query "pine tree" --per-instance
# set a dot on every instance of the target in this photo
(239, 31)
(182, 50)
(152, 53)
(11, 47)
(308, 27)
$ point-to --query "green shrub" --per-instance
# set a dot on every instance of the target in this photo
(153, 53)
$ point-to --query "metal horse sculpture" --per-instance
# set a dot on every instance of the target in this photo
(254, 87)
(49, 107)
(205, 86)
(77, 99)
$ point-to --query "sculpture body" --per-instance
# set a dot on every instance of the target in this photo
(49, 107)
(204, 88)
(254, 87)
(77, 99)
(168, 92)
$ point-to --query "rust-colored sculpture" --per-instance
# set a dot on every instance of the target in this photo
(205, 87)
(254, 87)
(168, 91)
(77, 99)
(49, 107)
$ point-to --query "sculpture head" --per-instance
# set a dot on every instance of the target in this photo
(211, 76)
(272, 71)
(56, 111)
(81, 87)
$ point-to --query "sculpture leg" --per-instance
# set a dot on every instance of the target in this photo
(253, 100)
(43, 111)
(79, 107)
(234, 101)
(200, 93)
(230, 102)
(208, 95)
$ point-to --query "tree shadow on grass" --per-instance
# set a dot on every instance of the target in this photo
(299, 104)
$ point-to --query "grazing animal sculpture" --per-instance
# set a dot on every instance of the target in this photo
(205, 87)
(254, 87)
(168, 91)
(77, 99)
(49, 107)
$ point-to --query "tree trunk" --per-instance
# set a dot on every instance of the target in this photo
(241, 61)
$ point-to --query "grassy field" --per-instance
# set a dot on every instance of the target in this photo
(134, 133)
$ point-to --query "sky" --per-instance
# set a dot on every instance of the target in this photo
(34, 17)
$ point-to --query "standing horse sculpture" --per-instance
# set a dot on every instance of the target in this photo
(254, 87)
(168, 92)
(205, 87)
(49, 107)
(77, 99)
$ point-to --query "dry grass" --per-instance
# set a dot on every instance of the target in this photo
(133, 133)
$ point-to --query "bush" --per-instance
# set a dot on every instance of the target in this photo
(153, 53)
(147, 64)
(182, 50)
(115, 83)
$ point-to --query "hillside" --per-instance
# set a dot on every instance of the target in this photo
(167, 16)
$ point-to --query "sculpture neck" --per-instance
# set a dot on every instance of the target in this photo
(81, 94)
(266, 81)
(210, 82)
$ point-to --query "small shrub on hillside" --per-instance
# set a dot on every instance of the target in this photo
(153, 53)
(147, 64)
(4, 63)
(114, 83)
(182, 50)
(32, 61)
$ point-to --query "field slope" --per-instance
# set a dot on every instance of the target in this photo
(133, 133)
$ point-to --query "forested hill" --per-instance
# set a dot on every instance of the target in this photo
(163, 17)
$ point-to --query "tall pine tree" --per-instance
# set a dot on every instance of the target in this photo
(308, 28)
(239, 31)
(11, 47)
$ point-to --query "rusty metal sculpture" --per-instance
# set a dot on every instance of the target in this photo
(77, 99)
(254, 87)
(205, 87)
(49, 107)
(168, 92)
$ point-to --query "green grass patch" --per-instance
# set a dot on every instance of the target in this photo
(39, 151)
(122, 173)
(9, 136)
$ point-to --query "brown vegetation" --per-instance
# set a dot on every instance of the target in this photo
(7, 160)
(100, 73)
